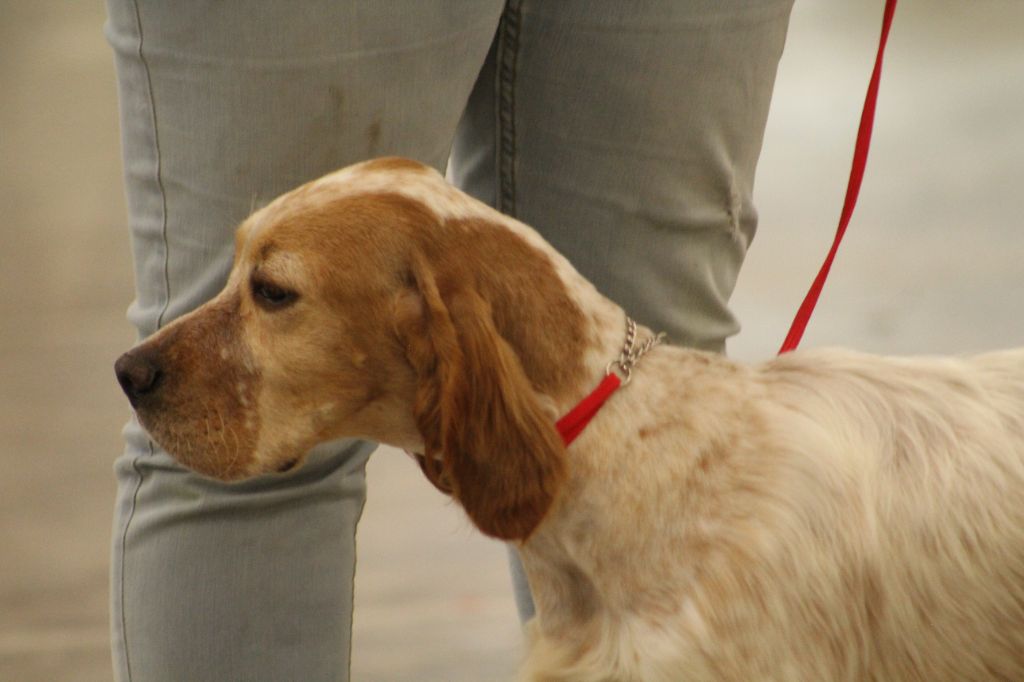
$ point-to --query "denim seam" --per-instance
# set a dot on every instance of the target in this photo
(355, 564)
(507, 57)
(159, 177)
(163, 311)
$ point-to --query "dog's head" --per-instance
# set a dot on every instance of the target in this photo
(381, 303)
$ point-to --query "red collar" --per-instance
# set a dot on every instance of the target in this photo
(571, 425)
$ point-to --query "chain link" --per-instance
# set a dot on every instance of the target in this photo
(631, 353)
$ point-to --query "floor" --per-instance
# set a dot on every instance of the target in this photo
(932, 264)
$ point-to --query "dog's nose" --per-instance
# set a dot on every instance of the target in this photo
(138, 375)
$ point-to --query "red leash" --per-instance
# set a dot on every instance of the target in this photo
(860, 159)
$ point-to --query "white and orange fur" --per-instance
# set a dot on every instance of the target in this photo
(826, 515)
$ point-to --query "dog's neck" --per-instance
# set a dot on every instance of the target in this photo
(567, 593)
(618, 372)
(589, 571)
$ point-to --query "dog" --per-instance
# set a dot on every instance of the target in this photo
(825, 515)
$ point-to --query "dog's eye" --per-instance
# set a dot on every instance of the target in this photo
(270, 295)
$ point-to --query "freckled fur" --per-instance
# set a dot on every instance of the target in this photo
(826, 515)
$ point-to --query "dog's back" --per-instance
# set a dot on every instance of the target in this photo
(826, 516)
(909, 477)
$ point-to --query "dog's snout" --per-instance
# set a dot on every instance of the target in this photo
(138, 374)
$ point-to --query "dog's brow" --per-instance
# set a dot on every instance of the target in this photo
(281, 264)
(267, 250)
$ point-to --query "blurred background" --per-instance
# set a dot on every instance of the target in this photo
(932, 264)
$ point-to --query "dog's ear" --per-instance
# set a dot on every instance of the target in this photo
(487, 437)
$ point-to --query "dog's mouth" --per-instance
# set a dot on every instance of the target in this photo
(288, 465)
(433, 473)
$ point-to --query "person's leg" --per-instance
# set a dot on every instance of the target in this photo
(628, 134)
(223, 106)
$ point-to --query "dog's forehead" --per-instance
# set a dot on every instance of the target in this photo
(410, 179)
(263, 232)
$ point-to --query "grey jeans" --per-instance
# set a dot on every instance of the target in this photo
(627, 133)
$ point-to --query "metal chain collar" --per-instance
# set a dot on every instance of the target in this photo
(631, 353)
